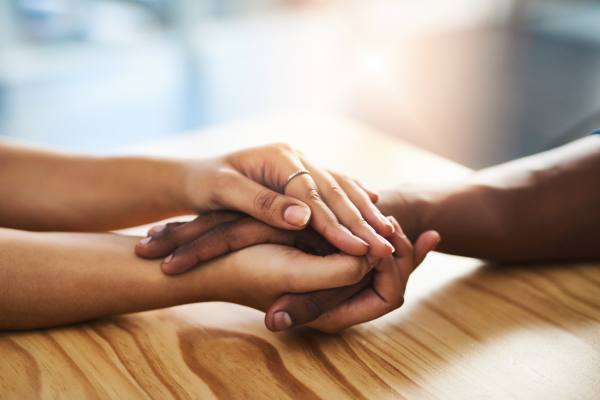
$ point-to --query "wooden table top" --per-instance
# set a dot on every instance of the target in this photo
(466, 330)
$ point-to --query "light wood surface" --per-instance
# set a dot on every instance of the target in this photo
(466, 330)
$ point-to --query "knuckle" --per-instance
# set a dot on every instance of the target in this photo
(343, 178)
(313, 307)
(166, 237)
(224, 178)
(266, 202)
(338, 191)
(208, 217)
(355, 270)
(226, 230)
(313, 195)
(358, 221)
(282, 146)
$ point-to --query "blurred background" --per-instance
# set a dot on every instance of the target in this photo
(477, 81)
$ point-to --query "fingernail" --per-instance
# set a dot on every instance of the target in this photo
(296, 215)
(365, 243)
(144, 241)
(157, 228)
(386, 243)
(168, 259)
(282, 320)
(387, 222)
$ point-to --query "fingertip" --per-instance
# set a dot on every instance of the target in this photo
(425, 243)
(282, 321)
(373, 196)
(278, 321)
(396, 225)
(382, 251)
(167, 269)
(298, 216)
(354, 246)
(170, 268)
(436, 238)
(156, 229)
(386, 230)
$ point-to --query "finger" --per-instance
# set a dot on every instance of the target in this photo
(177, 234)
(404, 248)
(240, 193)
(324, 221)
(308, 273)
(425, 243)
(235, 235)
(404, 255)
(347, 213)
(385, 295)
(298, 309)
(366, 207)
(160, 228)
(373, 195)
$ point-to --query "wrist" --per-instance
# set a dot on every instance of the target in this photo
(404, 205)
(413, 207)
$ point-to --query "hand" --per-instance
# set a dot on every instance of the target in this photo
(257, 276)
(219, 232)
(332, 310)
(339, 208)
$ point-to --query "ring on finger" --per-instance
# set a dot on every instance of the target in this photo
(292, 176)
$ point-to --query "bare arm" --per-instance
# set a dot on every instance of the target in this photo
(49, 279)
(542, 207)
(42, 190)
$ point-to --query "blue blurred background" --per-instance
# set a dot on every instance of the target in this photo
(478, 81)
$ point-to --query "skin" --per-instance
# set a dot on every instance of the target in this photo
(43, 190)
(52, 278)
(68, 276)
(545, 207)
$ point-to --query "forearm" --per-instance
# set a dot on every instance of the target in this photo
(42, 190)
(544, 207)
(49, 279)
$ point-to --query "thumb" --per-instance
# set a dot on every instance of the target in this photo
(264, 204)
(425, 243)
(293, 309)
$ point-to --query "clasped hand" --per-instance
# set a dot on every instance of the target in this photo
(337, 272)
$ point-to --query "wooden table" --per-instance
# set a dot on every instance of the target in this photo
(466, 330)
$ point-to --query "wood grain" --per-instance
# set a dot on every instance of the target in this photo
(467, 330)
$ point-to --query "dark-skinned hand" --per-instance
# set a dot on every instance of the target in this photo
(330, 310)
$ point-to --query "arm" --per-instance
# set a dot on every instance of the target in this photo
(43, 190)
(329, 310)
(542, 207)
(49, 279)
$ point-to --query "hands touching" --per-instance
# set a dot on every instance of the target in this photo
(378, 293)
(307, 278)
(252, 181)
(220, 232)
(316, 277)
